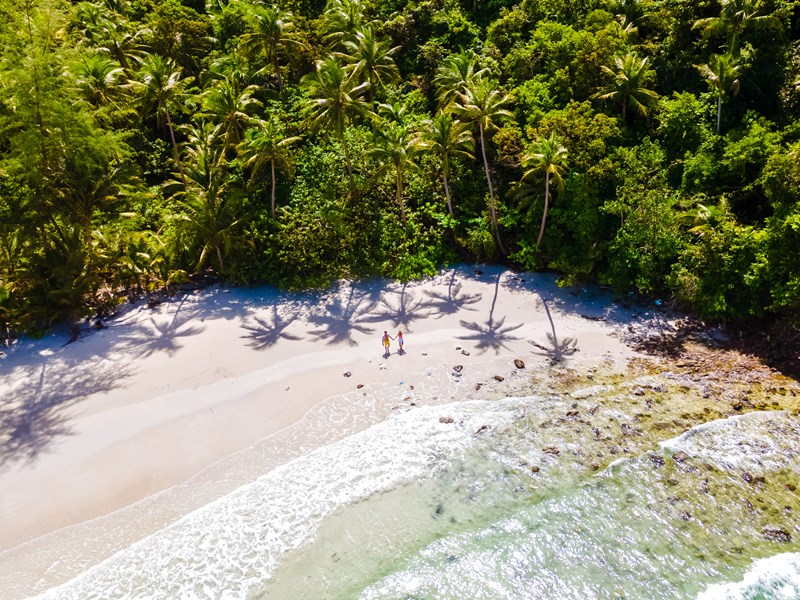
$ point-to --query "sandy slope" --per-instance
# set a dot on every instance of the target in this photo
(161, 394)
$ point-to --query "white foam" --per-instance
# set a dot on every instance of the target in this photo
(230, 547)
(776, 578)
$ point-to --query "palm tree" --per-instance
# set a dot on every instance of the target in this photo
(230, 107)
(735, 17)
(161, 90)
(722, 74)
(99, 79)
(483, 104)
(335, 99)
(272, 36)
(447, 138)
(396, 148)
(341, 21)
(209, 209)
(265, 143)
(630, 75)
(548, 156)
(456, 73)
(371, 60)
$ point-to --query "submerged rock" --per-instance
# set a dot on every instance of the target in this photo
(445, 419)
(776, 534)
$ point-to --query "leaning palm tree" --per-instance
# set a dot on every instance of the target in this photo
(229, 106)
(341, 21)
(371, 60)
(722, 74)
(483, 104)
(273, 35)
(446, 137)
(456, 73)
(627, 86)
(161, 91)
(396, 147)
(548, 156)
(336, 97)
(266, 144)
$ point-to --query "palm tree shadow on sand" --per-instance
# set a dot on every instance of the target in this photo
(32, 417)
(343, 314)
(492, 333)
(452, 302)
(166, 336)
(405, 311)
(558, 349)
(266, 332)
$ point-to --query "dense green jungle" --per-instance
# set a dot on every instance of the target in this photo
(647, 145)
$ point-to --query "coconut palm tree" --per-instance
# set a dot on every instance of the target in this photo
(627, 86)
(735, 17)
(456, 73)
(229, 106)
(371, 60)
(548, 156)
(266, 144)
(341, 21)
(209, 208)
(161, 91)
(397, 145)
(273, 35)
(336, 97)
(722, 74)
(483, 104)
(99, 78)
(446, 138)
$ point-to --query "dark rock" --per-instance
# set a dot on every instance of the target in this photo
(359, 386)
(790, 487)
(99, 324)
(535, 469)
(657, 460)
(519, 364)
(465, 353)
(478, 386)
(347, 373)
(551, 450)
(747, 477)
(679, 457)
(637, 391)
(737, 405)
(482, 428)
(499, 378)
(593, 410)
(445, 419)
(572, 413)
(776, 534)
(458, 368)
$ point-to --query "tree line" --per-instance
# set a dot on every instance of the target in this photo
(648, 145)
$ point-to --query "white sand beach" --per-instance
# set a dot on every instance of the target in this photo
(98, 436)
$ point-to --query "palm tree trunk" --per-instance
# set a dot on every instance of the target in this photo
(546, 206)
(449, 203)
(175, 149)
(400, 196)
(277, 70)
(219, 257)
(491, 192)
(347, 161)
(719, 113)
(272, 164)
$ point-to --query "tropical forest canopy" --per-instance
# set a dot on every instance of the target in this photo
(648, 145)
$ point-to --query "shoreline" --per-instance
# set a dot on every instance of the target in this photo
(213, 378)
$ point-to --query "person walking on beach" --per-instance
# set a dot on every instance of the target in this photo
(386, 343)
(400, 342)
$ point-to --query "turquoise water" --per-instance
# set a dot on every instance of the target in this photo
(491, 500)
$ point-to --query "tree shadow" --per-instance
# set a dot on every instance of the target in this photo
(452, 302)
(268, 331)
(346, 311)
(32, 415)
(490, 334)
(158, 335)
(558, 349)
(401, 313)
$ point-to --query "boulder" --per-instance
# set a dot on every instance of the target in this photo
(519, 364)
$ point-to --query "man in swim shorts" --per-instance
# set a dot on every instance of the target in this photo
(386, 343)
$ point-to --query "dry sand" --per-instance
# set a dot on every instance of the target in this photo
(95, 433)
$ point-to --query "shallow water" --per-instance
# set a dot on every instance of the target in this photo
(492, 499)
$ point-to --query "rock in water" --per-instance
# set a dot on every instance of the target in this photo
(445, 419)
(519, 364)
(776, 534)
